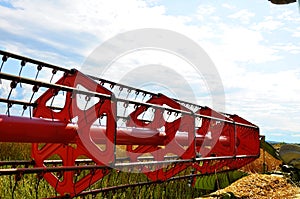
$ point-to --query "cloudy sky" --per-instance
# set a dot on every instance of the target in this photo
(255, 46)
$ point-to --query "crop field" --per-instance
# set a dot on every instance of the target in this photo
(34, 186)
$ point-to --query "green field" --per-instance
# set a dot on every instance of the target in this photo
(31, 186)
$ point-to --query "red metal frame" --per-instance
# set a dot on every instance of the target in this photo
(85, 146)
(221, 141)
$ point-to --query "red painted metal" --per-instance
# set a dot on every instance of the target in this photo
(218, 143)
(184, 123)
(19, 129)
(248, 137)
(35, 130)
(85, 145)
(85, 117)
(215, 127)
(244, 141)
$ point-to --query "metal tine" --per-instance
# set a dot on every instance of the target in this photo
(14, 187)
(143, 116)
(13, 85)
(33, 61)
(99, 119)
(144, 95)
(125, 106)
(4, 59)
(34, 91)
(87, 99)
(120, 90)
(39, 68)
(24, 109)
(169, 113)
(59, 176)
(136, 94)
(55, 93)
(39, 177)
(102, 83)
(9, 105)
(111, 85)
(125, 96)
(59, 68)
(54, 71)
(122, 121)
(23, 63)
(128, 92)
(101, 101)
(9, 94)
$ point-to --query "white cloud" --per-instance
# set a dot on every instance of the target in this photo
(228, 6)
(269, 24)
(243, 15)
(296, 34)
(79, 20)
(288, 47)
(204, 11)
(246, 45)
(5, 88)
(270, 99)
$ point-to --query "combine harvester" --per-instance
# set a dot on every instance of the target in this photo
(289, 154)
(83, 128)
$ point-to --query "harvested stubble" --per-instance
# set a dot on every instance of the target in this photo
(260, 186)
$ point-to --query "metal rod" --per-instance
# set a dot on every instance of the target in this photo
(33, 61)
(19, 129)
(12, 171)
(70, 89)
(77, 161)
(124, 186)
(50, 85)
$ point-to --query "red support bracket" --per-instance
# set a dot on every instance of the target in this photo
(85, 146)
(184, 123)
(214, 127)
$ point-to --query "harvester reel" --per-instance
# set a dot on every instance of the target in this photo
(162, 138)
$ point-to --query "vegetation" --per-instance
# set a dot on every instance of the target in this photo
(31, 186)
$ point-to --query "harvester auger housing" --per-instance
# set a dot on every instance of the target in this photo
(82, 122)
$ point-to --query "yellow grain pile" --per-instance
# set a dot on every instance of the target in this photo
(271, 164)
(261, 186)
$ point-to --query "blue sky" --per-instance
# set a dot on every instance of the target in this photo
(254, 44)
